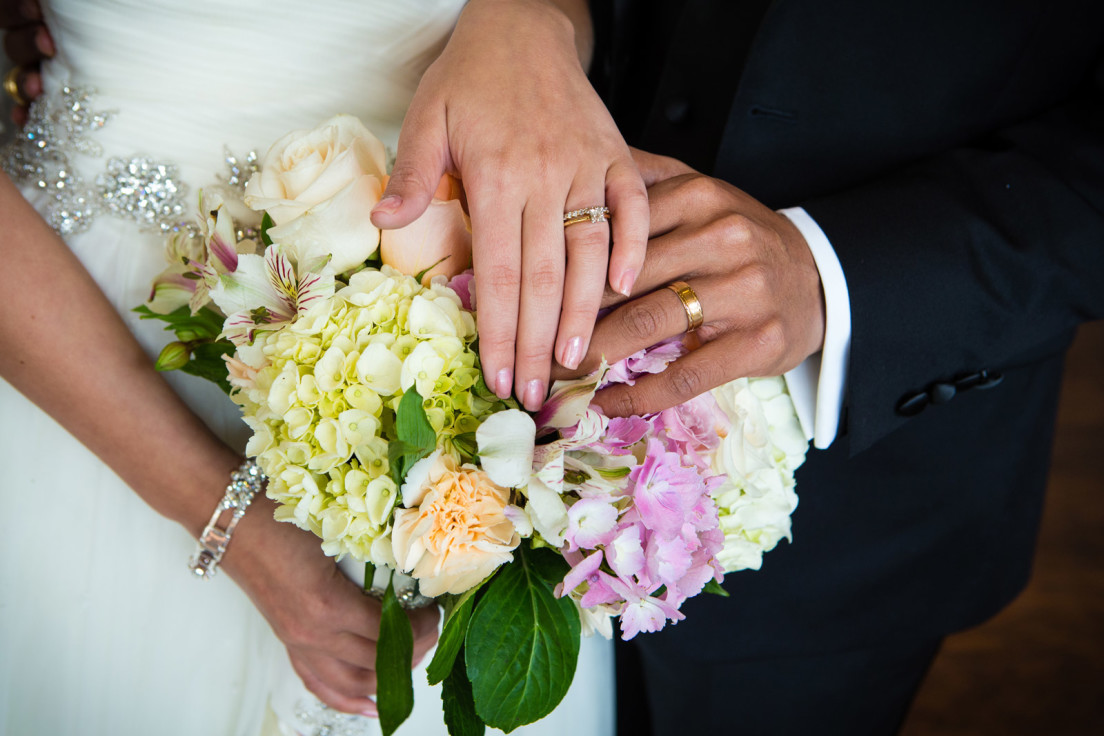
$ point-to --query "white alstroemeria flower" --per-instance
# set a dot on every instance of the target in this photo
(505, 442)
(569, 401)
(264, 293)
(547, 511)
(597, 620)
(548, 465)
(519, 517)
(171, 290)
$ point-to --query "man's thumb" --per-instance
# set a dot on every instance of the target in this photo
(655, 168)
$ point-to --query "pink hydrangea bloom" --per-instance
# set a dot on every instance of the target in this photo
(461, 283)
(693, 429)
(625, 431)
(591, 522)
(626, 554)
(643, 612)
(649, 360)
(664, 491)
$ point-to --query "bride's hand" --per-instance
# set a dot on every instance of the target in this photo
(507, 107)
(329, 626)
(750, 268)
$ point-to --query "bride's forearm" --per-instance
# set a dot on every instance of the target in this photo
(64, 347)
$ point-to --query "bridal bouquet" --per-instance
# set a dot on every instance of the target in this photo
(352, 355)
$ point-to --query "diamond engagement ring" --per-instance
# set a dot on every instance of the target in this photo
(587, 214)
(694, 315)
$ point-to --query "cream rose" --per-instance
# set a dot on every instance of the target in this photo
(439, 240)
(319, 186)
(453, 532)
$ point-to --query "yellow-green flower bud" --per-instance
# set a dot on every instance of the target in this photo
(174, 356)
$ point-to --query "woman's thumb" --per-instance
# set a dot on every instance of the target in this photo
(419, 164)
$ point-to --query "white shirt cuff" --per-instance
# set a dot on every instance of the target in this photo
(817, 385)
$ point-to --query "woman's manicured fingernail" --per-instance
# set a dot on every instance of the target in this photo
(389, 205)
(372, 712)
(534, 394)
(504, 383)
(625, 285)
(573, 354)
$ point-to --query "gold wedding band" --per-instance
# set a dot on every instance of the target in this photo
(694, 315)
(11, 86)
(587, 214)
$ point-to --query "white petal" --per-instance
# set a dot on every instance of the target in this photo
(505, 443)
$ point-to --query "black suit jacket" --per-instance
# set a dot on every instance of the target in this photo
(953, 153)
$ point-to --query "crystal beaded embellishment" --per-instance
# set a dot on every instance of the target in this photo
(58, 127)
(318, 719)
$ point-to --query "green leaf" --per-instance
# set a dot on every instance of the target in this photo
(207, 362)
(396, 460)
(416, 438)
(456, 698)
(715, 588)
(523, 643)
(266, 223)
(421, 274)
(467, 445)
(412, 424)
(452, 638)
(551, 566)
(394, 656)
(206, 324)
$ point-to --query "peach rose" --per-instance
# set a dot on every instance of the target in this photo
(440, 238)
(453, 532)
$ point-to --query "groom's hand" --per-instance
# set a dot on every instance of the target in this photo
(751, 270)
(507, 107)
(27, 43)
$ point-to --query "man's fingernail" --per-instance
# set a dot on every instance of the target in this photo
(389, 205)
(624, 287)
(44, 43)
(534, 394)
(504, 383)
(573, 354)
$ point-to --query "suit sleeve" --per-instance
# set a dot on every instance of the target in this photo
(970, 262)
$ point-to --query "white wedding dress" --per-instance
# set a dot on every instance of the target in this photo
(102, 628)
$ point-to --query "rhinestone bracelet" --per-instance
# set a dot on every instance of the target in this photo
(245, 483)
